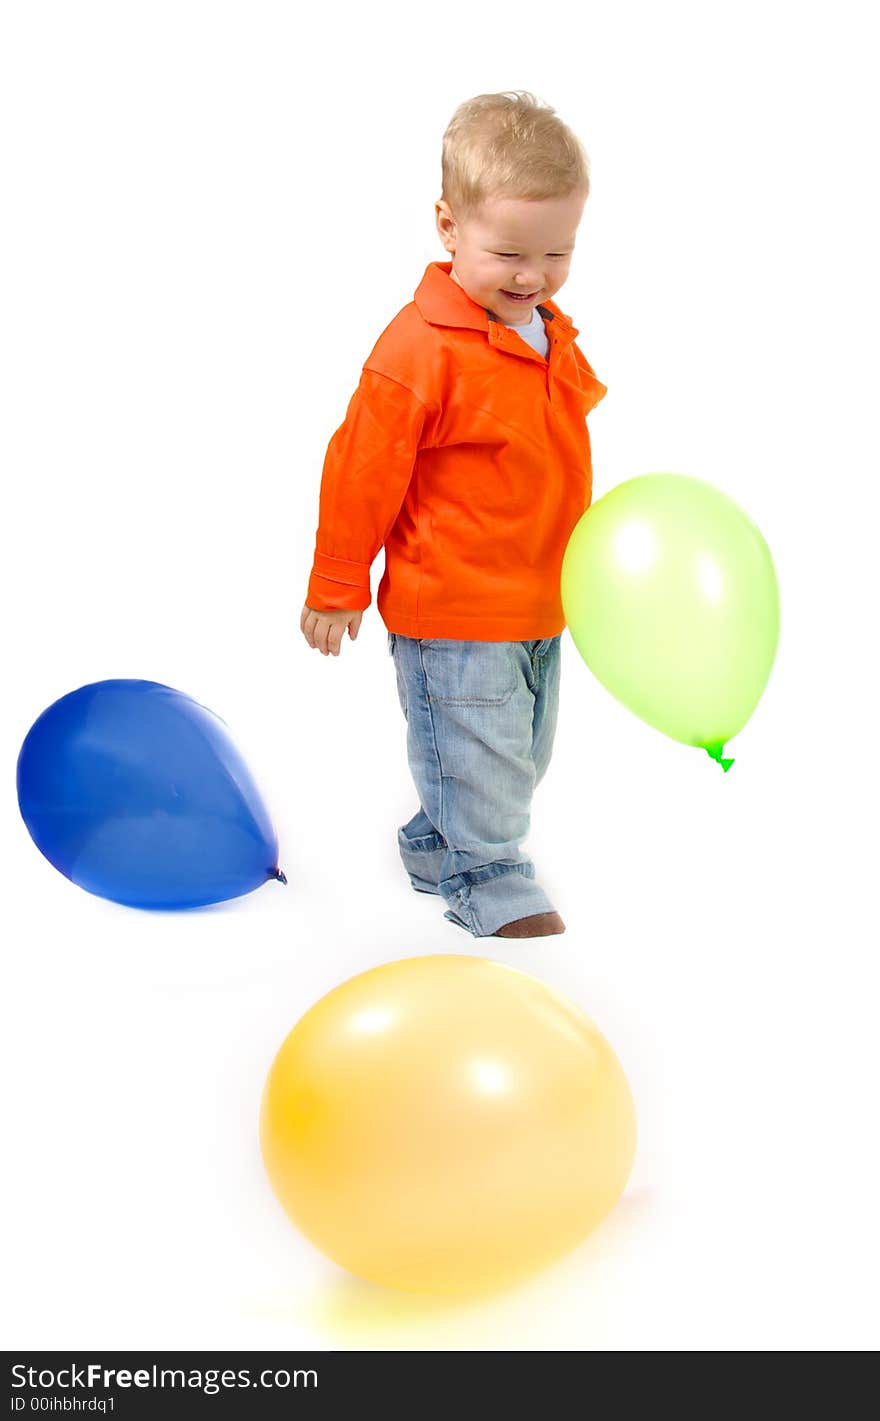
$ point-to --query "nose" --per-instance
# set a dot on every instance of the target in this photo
(528, 281)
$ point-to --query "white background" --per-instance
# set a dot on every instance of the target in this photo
(211, 211)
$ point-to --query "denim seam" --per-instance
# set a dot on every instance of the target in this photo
(424, 844)
(471, 878)
(441, 816)
(473, 701)
(463, 898)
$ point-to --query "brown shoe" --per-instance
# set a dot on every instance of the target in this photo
(538, 925)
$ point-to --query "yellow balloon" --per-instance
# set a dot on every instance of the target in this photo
(446, 1125)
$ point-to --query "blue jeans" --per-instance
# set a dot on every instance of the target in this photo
(481, 716)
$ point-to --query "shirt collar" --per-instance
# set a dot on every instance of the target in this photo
(444, 303)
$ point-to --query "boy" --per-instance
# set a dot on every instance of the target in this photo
(465, 452)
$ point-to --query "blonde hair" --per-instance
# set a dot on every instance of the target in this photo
(509, 145)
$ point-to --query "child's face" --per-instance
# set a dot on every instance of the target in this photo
(513, 245)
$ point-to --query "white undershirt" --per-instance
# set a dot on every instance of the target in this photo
(534, 333)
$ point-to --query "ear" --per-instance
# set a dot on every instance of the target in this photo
(445, 224)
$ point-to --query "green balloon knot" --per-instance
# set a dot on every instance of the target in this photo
(715, 753)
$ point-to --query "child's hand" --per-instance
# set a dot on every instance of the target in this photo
(325, 630)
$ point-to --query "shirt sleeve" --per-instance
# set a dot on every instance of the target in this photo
(591, 387)
(367, 470)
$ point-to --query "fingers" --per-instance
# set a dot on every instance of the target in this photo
(324, 631)
(320, 634)
(334, 637)
(314, 628)
(307, 623)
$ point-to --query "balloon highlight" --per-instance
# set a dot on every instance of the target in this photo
(446, 1125)
(671, 597)
(136, 793)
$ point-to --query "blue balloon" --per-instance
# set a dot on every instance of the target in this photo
(136, 792)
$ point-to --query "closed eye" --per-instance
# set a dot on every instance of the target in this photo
(516, 254)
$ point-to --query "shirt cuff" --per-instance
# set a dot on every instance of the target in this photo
(337, 584)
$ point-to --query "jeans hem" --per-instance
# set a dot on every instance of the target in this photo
(486, 906)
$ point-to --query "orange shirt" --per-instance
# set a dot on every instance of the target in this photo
(467, 455)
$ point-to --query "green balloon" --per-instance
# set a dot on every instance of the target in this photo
(671, 598)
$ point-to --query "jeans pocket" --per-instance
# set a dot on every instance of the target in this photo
(391, 640)
(468, 673)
